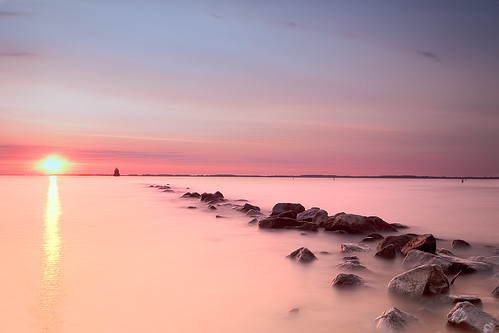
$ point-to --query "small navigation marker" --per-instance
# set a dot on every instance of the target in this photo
(116, 172)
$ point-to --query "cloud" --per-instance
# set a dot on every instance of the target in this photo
(430, 55)
(216, 16)
(17, 54)
(9, 14)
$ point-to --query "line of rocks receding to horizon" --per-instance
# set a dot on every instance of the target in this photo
(428, 267)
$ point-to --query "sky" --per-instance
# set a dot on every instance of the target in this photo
(275, 87)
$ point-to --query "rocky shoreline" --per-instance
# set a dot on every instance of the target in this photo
(430, 271)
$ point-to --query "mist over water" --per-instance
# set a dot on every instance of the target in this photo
(103, 254)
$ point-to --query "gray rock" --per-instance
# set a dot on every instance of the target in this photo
(473, 299)
(354, 247)
(248, 207)
(348, 280)
(449, 264)
(388, 252)
(495, 292)
(467, 316)
(284, 206)
(303, 255)
(425, 243)
(398, 241)
(357, 224)
(313, 214)
(211, 197)
(459, 243)
(395, 320)
(352, 265)
(253, 221)
(253, 212)
(427, 280)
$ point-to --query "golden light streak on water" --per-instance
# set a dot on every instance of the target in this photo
(51, 261)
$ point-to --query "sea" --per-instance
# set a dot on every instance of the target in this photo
(121, 254)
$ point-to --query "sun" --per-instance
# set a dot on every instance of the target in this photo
(53, 164)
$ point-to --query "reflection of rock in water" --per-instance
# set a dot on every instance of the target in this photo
(116, 172)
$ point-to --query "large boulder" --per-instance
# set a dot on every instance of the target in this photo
(398, 241)
(278, 223)
(348, 280)
(313, 214)
(395, 320)
(449, 264)
(426, 243)
(467, 316)
(285, 206)
(357, 224)
(428, 280)
(303, 255)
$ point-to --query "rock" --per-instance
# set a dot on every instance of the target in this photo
(348, 280)
(388, 252)
(467, 316)
(219, 194)
(352, 265)
(253, 221)
(395, 320)
(459, 243)
(495, 292)
(375, 236)
(357, 224)
(191, 195)
(293, 311)
(449, 264)
(427, 280)
(425, 243)
(284, 206)
(212, 207)
(399, 226)
(289, 213)
(191, 207)
(248, 207)
(278, 223)
(303, 255)
(313, 214)
(308, 226)
(354, 247)
(473, 299)
(211, 197)
(445, 251)
(398, 241)
(253, 212)
(169, 190)
(351, 258)
(368, 240)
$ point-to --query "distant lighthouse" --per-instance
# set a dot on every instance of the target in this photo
(116, 172)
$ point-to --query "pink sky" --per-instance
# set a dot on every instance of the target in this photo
(280, 87)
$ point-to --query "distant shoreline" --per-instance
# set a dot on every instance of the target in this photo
(271, 176)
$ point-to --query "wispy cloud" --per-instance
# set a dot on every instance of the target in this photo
(9, 14)
(216, 16)
(430, 55)
(17, 54)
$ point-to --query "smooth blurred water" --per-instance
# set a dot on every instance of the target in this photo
(104, 254)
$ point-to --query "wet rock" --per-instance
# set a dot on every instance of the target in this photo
(211, 197)
(495, 292)
(368, 239)
(444, 251)
(425, 243)
(248, 207)
(352, 265)
(169, 190)
(253, 221)
(219, 194)
(376, 236)
(427, 280)
(191, 195)
(278, 223)
(284, 206)
(191, 207)
(467, 316)
(253, 212)
(388, 252)
(473, 299)
(351, 258)
(395, 320)
(308, 226)
(459, 243)
(449, 264)
(219, 216)
(354, 247)
(303, 255)
(348, 280)
(313, 214)
(398, 241)
(357, 224)
(211, 207)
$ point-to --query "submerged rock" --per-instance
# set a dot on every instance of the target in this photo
(357, 224)
(395, 320)
(425, 243)
(427, 280)
(495, 292)
(191, 195)
(303, 255)
(460, 243)
(388, 252)
(473, 299)
(348, 280)
(354, 247)
(352, 265)
(248, 207)
(285, 206)
(278, 223)
(467, 316)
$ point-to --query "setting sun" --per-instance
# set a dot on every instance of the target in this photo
(53, 164)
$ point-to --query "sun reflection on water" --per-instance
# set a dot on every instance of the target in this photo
(52, 257)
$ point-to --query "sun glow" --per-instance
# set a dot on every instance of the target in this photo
(53, 164)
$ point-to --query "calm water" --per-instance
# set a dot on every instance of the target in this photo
(103, 254)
